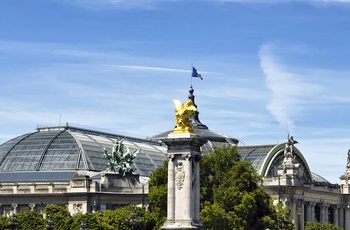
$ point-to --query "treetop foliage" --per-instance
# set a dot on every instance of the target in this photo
(230, 192)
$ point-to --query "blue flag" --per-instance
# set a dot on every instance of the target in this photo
(195, 73)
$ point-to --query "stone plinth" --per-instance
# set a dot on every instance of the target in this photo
(183, 181)
(115, 182)
(345, 182)
(290, 173)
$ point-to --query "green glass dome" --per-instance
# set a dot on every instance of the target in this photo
(70, 148)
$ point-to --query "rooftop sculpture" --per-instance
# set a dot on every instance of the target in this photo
(348, 162)
(288, 151)
(183, 112)
(121, 158)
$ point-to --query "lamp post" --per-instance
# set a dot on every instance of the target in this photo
(100, 214)
(83, 226)
(13, 224)
(133, 221)
(50, 225)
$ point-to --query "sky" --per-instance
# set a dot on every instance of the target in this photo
(270, 68)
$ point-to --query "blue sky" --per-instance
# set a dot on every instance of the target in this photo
(270, 68)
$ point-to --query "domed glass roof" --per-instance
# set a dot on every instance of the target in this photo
(70, 148)
(266, 159)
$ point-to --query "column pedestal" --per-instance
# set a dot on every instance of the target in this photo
(183, 181)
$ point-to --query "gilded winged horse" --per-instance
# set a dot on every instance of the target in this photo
(182, 114)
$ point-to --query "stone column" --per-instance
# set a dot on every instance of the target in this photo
(308, 211)
(336, 215)
(322, 213)
(326, 210)
(312, 211)
(347, 218)
(171, 189)
(294, 212)
(183, 182)
(197, 187)
(341, 216)
(188, 201)
(301, 214)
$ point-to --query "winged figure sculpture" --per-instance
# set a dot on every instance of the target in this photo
(182, 115)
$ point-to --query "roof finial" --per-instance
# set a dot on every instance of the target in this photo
(195, 117)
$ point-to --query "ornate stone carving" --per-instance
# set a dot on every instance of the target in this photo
(183, 112)
(32, 206)
(348, 163)
(77, 208)
(288, 151)
(179, 174)
(284, 201)
(121, 158)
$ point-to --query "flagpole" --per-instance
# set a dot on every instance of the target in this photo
(191, 73)
(191, 79)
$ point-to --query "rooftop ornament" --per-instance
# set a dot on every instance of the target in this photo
(348, 162)
(288, 151)
(183, 112)
(121, 158)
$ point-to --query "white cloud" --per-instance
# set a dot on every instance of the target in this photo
(150, 68)
(290, 90)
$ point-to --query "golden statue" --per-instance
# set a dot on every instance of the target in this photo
(182, 114)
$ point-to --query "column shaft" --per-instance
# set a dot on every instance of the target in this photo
(197, 190)
(171, 190)
(336, 215)
(347, 219)
(308, 212)
(188, 189)
(322, 213)
(341, 217)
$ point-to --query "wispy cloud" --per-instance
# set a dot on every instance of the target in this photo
(150, 68)
(155, 4)
(113, 4)
(290, 90)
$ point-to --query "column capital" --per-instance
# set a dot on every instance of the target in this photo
(187, 156)
(31, 206)
(170, 157)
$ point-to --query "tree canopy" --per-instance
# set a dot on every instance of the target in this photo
(230, 192)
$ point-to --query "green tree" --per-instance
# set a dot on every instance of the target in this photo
(321, 226)
(59, 215)
(30, 220)
(231, 195)
(157, 195)
(214, 167)
(90, 219)
(237, 194)
(282, 214)
(4, 222)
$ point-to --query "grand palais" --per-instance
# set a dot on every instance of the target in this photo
(65, 164)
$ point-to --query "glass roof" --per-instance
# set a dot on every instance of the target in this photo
(73, 149)
(266, 159)
(70, 148)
